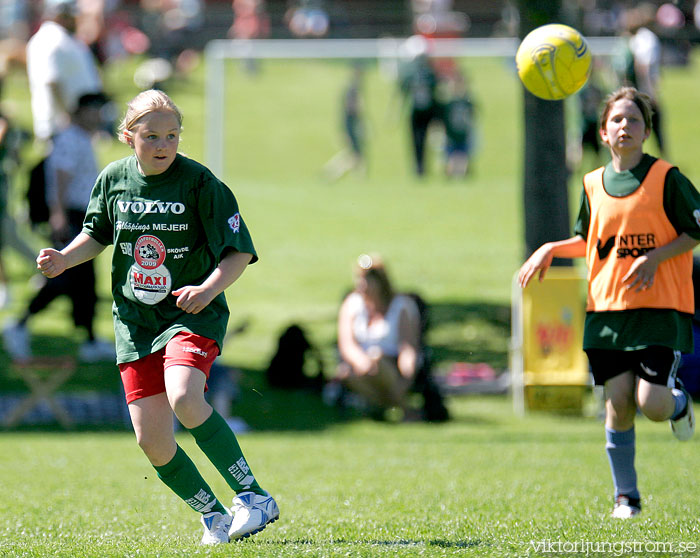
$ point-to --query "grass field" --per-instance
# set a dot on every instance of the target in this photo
(485, 484)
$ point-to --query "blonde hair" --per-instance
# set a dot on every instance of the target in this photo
(146, 102)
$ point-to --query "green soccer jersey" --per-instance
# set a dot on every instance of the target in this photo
(635, 329)
(169, 231)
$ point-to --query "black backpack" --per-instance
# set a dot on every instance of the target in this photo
(36, 194)
(294, 354)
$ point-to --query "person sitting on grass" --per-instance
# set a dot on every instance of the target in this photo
(378, 339)
(638, 222)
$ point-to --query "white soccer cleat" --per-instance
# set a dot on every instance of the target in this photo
(251, 514)
(626, 507)
(684, 426)
(16, 341)
(216, 526)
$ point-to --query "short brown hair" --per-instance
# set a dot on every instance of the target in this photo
(642, 100)
(370, 267)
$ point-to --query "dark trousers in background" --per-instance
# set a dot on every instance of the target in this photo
(420, 121)
(77, 283)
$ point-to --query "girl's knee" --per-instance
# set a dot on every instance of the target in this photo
(655, 401)
(190, 408)
(621, 412)
(656, 411)
(158, 450)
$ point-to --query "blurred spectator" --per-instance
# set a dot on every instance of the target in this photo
(71, 171)
(12, 139)
(669, 16)
(590, 99)
(435, 19)
(60, 67)
(91, 26)
(351, 157)
(14, 20)
(121, 38)
(171, 27)
(250, 21)
(509, 23)
(418, 82)
(458, 117)
(307, 18)
(379, 333)
(642, 61)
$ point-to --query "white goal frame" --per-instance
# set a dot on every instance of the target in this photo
(217, 52)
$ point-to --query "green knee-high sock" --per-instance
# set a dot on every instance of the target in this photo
(219, 444)
(183, 478)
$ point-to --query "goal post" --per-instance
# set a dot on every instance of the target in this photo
(219, 51)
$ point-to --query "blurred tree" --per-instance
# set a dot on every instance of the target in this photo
(545, 192)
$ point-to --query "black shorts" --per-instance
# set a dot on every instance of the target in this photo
(657, 365)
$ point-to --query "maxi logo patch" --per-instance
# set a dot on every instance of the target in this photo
(150, 286)
(149, 279)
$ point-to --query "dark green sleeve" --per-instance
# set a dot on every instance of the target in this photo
(97, 223)
(223, 224)
(584, 216)
(682, 204)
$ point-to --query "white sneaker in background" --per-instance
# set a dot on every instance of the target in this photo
(684, 426)
(626, 507)
(15, 339)
(96, 350)
(4, 297)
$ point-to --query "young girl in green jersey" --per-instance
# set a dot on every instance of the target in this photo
(179, 242)
(639, 220)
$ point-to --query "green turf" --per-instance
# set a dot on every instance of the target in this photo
(486, 484)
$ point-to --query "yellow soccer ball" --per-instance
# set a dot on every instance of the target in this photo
(553, 61)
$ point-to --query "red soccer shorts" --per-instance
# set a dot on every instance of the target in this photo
(146, 376)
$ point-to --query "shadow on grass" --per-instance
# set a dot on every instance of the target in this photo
(265, 408)
(94, 376)
(472, 331)
(457, 331)
(485, 331)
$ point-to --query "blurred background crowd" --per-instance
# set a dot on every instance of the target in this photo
(168, 28)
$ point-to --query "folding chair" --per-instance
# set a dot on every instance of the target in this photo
(43, 376)
(548, 366)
